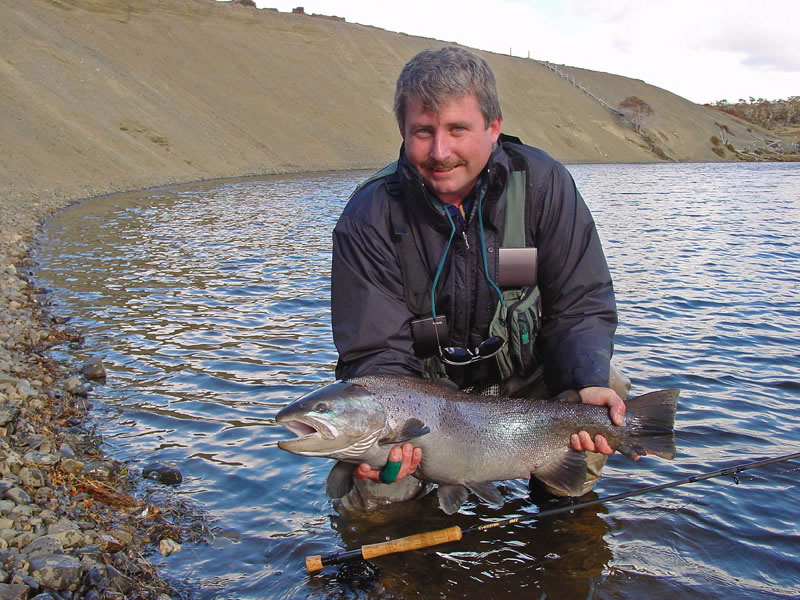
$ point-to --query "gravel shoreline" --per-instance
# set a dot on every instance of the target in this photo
(70, 524)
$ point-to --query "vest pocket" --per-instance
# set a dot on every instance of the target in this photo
(517, 321)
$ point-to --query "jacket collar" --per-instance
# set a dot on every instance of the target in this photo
(423, 202)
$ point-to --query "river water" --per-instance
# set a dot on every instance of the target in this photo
(210, 305)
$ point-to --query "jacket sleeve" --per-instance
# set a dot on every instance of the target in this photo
(579, 308)
(369, 316)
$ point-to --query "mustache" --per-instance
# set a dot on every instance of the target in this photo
(442, 165)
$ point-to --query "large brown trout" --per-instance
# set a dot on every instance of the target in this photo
(467, 441)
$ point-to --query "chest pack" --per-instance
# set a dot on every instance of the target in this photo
(517, 317)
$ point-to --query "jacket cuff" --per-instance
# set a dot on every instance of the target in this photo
(578, 368)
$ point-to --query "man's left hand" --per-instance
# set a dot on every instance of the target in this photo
(599, 396)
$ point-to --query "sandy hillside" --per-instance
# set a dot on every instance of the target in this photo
(105, 95)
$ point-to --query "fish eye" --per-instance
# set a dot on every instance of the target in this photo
(321, 408)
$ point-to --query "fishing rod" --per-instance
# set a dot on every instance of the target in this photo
(455, 533)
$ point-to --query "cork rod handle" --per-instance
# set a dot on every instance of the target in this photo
(412, 542)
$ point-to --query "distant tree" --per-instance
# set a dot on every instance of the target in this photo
(635, 111)
(766, 113)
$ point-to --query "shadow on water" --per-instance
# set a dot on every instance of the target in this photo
(209, 304)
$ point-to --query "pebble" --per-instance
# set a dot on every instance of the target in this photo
(168, 546)
(163, 473)
(14, 591)
(76, 387)
(94, 369)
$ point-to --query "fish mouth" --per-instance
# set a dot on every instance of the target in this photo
(309, 433)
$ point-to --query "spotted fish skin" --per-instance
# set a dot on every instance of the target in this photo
(469, 441)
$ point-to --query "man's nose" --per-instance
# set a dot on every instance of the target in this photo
(440, 148)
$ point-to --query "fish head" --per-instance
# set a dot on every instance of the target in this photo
(341, 420)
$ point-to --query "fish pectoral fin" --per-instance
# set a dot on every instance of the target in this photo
(565, 473)
(413, 428)
(486, 491)
(451, 497)
(340, 479)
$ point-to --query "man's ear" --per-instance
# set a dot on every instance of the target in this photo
(495, 127)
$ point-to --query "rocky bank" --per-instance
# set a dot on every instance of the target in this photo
(70, 526)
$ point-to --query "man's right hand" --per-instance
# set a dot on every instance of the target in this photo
(408, 454)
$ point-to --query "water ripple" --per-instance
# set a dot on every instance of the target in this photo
(210, 303)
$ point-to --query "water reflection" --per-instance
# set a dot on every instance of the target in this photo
(209, 303)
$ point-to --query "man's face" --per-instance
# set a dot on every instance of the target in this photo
(451, 147)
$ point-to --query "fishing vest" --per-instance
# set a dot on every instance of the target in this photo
(518, 315)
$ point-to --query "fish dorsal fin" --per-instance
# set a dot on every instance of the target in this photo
(566, 473)
(486, 491)
(413, 428)
(340, 479)
(451, 497)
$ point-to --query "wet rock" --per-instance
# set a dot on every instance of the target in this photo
(123, 536)
(10, 460)
(168, 546)
(56, 571)
(24, 510)
(67, 532)
(69, 465)
(163, 473)
(34, 457)
(22, 540)
(14, 591)
(94, 369)
(17, 495)
(24, 579)
(98, 469)
(118, 581)
(31, 477)
(76, 387)
(108, 543)
(47, 544)
(66, 451)
(8, 414)
(95, 577)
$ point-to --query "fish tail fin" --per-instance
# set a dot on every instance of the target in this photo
(650, 424)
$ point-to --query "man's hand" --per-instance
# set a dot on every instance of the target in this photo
(599, 396)
(407, 453)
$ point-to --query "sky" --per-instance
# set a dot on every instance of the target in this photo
(703, 50)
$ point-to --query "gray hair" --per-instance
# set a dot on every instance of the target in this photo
(435, 76)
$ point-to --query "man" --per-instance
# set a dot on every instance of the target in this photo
(437, 225)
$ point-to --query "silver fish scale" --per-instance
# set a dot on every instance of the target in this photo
(483, 439)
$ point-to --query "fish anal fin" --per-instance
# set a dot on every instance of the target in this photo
(451, 497)
(566, 473)
(340, 479)
(486, 491)
(411, 429)
(633, 450)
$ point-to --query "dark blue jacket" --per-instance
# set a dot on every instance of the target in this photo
(369, 313)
